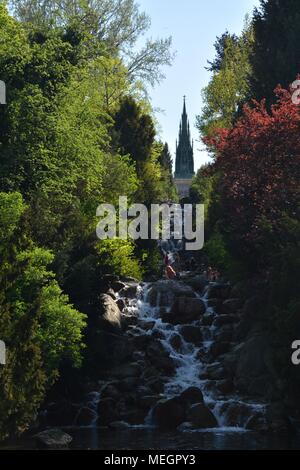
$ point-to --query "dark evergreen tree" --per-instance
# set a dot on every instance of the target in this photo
(165, 159)
(220, 45)
(276, 53)
(135, 130)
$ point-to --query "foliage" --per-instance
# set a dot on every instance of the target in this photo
(116, 256)
(39, 326)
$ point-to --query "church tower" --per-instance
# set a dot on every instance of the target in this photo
(184, 167)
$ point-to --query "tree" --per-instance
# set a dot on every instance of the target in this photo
(165, 159)
(39, 326)
(135, 131)
(229, 86)
(259, 187)
(116, 24)
(276, 53)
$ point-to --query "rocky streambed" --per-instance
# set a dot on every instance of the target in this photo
(178, 362)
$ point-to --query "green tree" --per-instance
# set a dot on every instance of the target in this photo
(228, 88)
(39, 326)
(276, 53)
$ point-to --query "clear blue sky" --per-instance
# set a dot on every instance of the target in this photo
(194, 25)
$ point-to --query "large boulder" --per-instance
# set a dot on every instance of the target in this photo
(231, 305)
(109, 350)
(107, 411)
(184, 310)
(198, 282)
(163, 293)
(110, 320)
(126, 370)
(191, 395)
(86, 416)
(53, 439)
(200, 416)
(191, 334)
(169, 414)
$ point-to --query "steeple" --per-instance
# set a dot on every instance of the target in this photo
(184, 167)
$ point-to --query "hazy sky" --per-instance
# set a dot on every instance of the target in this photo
(194, 25)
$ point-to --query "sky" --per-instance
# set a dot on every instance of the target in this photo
(194, 26)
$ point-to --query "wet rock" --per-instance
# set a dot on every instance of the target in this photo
(142, 341)
(200, 416)
(53, 439)
(126, 370)
(216, 304)
(191, 334)
(157, 334)
(257, 422)
(231, 305)
(198, 283)
(130, 292)
(156, 384)
(117, 286)
(146, 325)
(112, 294)
(215, 371)
(185, 310)
(218, 291)
(237, 413)
(134, 415)
(107, 411)
(221, 320)
(176, 341)
(191, 396)
(128, 384)
(85, 417)
(225, 386)
(224, 334)
(148, 401)
(207, 319)
(163, 293)
(218, 348)
(121, 304)
(169, 414)
(111, 315)
(111, 391)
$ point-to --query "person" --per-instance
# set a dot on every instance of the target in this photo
(166, 258)
(170, 272)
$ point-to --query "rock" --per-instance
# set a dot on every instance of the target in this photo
(157, 334)
(176, 342)
(207, 319)
(200, 416)
(156, 384)
(191, 396)
(128, 384)
(107, 411)
(142, 341)
(53, 439)
(237, 413)
(278, 421)
(126, 371)
(215, 371)
(85, 417)
(128, 280)
(231, 306)
(163, 293)
(225, 386)
(169, 414)
(111, 315)
(155, 351)
(62, 413)
(224, 334)
(121, 304)
(198, 283)
(148, 401)
(252, 364)
(147, 325)
(191, 334)
(184, 310)
(218, 348)
(130, 292)
(222, 320)
(134, 415)
(118, 285)
(119, 425)
(257, 422)
(216, 304)
(218, 291)
(109, 350)
(112, 294)
(111, 391)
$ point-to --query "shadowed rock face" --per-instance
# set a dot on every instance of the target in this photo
(163, 293)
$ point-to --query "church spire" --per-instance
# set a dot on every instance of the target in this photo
(184, 150)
